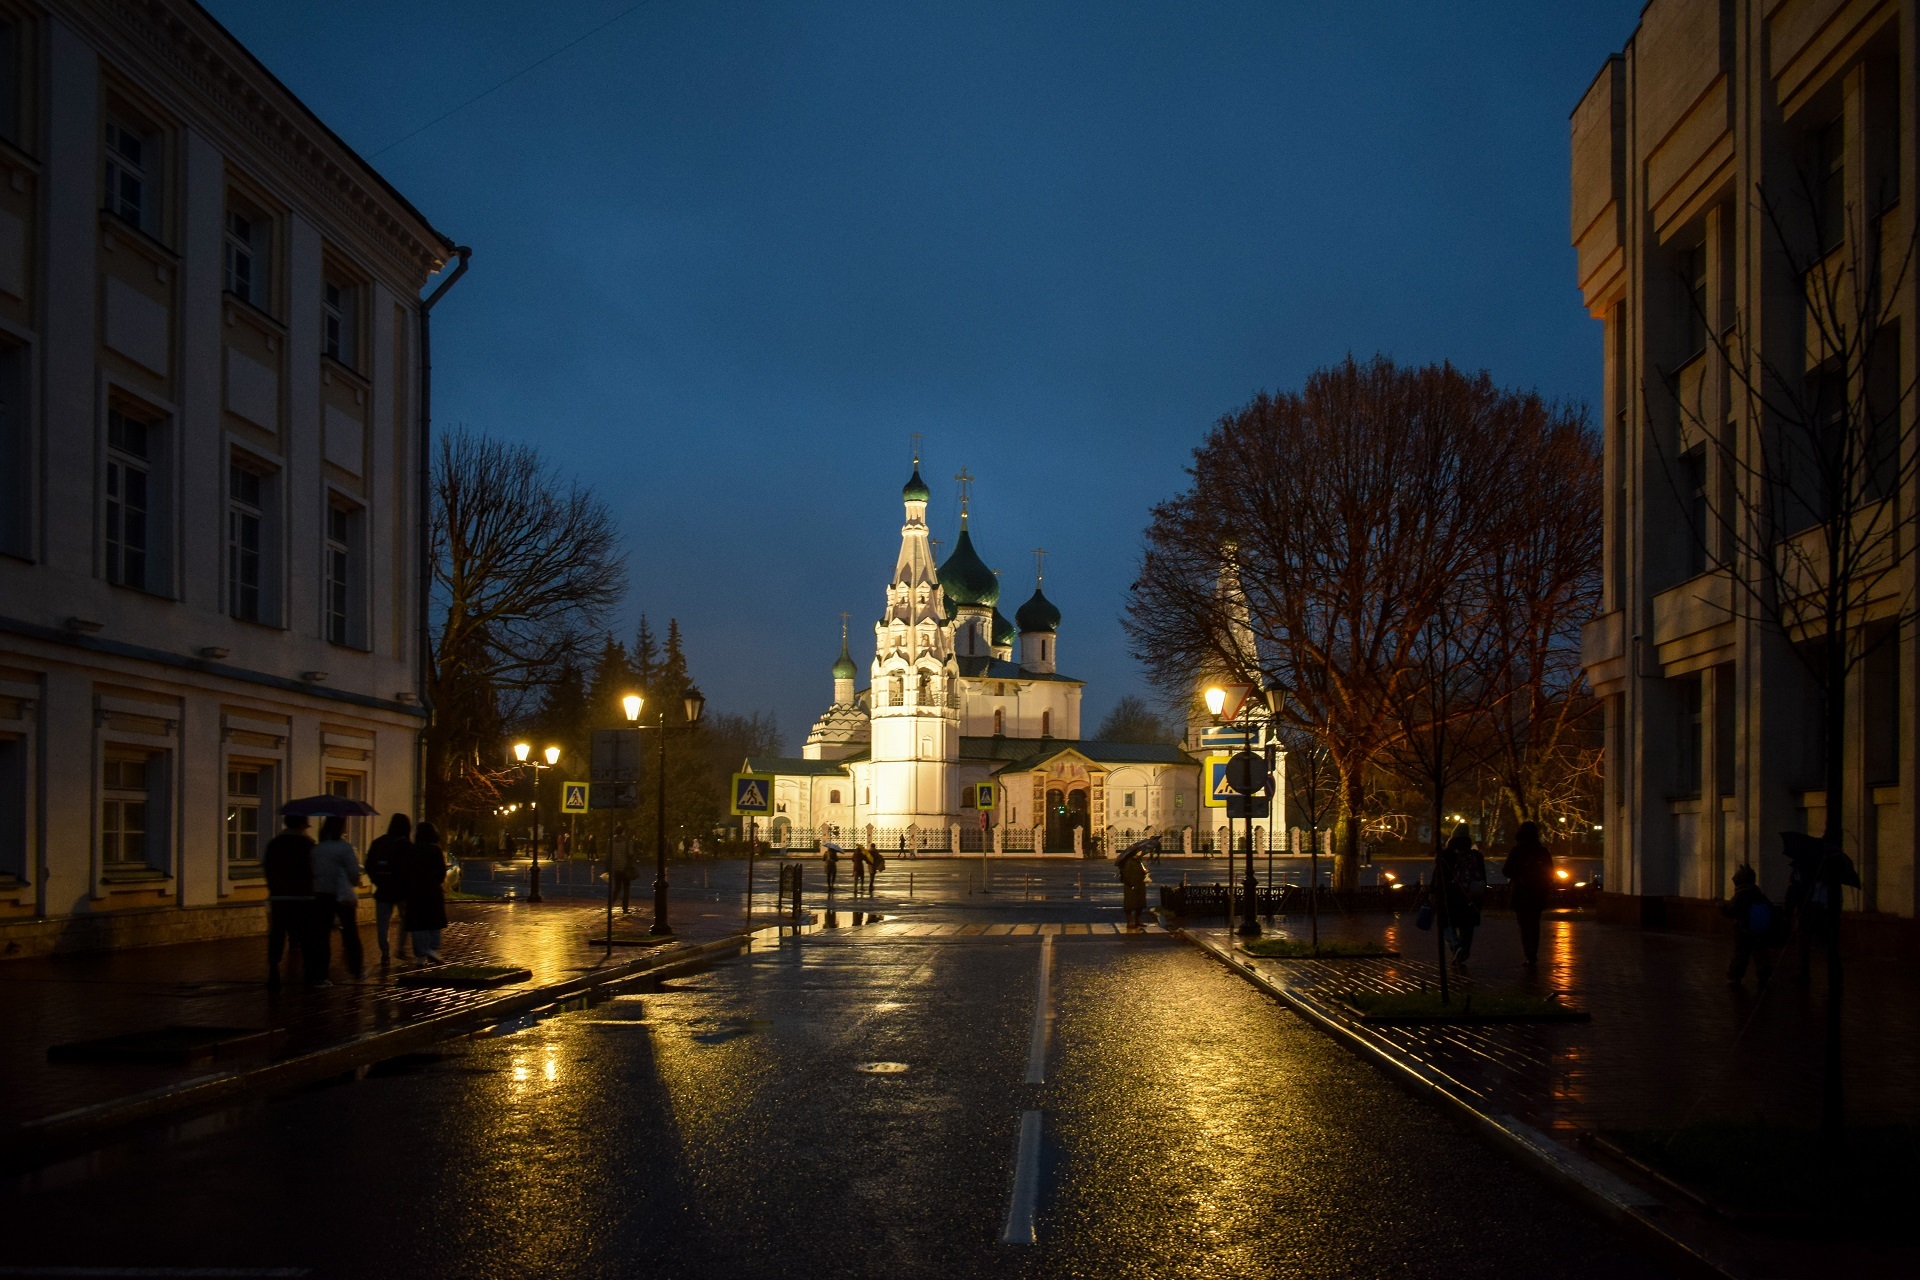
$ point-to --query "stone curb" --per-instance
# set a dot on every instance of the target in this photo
(48, 1136)
(1613, 1197)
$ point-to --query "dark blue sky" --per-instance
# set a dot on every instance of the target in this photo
(730, 255)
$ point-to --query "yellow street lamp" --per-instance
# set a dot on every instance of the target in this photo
(1216, 700)
(520, 750)
(631, 704)
(553, 756)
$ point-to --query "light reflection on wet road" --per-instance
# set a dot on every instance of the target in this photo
(719, 1125)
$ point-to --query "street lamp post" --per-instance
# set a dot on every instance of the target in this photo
(1250, 907)
(694, 704)
(521, 751)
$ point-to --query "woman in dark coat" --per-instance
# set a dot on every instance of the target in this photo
(1461, 876)
(1529, 869)
(425, 877)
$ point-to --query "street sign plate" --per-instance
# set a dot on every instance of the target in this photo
(752, 795)
(613, 795)
(1237, 695)
(1247, 773)
(1218, 792)
(1249, 807)
(573, 797)
(983, 795)
(616, 755)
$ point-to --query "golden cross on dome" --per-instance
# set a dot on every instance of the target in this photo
(1039, 566)
(843, 628)
(916, 450)
(966, 493)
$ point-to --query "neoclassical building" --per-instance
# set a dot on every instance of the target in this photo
(211, 472)
(1728, 146)
(954, 741)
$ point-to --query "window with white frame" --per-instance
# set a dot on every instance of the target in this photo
(16, 453)
(339, 316)
(246, 526)
(249, 257)
(129, 841)
(13, 807)
(132, 161)
(341, 604)
(127, 498)
(350, 786)
(247, 784)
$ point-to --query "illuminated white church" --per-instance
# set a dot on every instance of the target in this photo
(956, 744)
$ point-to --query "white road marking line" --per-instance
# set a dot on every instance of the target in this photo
(217, 1273)
(1026, 1183)
(1042, 1016)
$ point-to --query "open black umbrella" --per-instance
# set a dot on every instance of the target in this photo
(328, 807)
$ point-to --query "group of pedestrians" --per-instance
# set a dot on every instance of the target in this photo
(867, 864)
(313, 892)
(1460, 889)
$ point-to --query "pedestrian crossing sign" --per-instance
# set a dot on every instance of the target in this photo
(573, 797)
(1218, 792)
(752, 795)
(984, 795)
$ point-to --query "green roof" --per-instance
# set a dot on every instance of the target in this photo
(965, 578)
(793, 767)
(1098, 752)
(916, 489)
(843, 668)
(1038, 614)
(1003, 632)
(981, 668)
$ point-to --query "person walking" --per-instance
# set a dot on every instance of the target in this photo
(336, 899)
(620, 865)
(1460, 876)
(424, 876)
(385, 857)
(875, 865)
(1529, 869)
(1755, 924)
(1133, 885)
(859, 867)
(288, 863)
(832, 859)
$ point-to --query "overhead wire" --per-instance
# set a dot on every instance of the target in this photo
(530, 67)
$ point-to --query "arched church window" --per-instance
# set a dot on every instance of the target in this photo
(923, 695)
(953, 693)
(1046, 724)
(833, 797)
(999, 724)
(898, 689)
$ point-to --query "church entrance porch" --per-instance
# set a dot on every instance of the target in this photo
(1067, 810)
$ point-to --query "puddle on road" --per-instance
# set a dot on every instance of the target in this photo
(880, 1068)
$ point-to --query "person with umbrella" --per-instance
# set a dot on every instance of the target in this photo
(336, 877)
(1133, 880)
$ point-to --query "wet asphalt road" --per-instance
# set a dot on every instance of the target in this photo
(721, 1124)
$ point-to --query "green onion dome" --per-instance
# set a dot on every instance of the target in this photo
(916, 489)
(843, 668)
(1038, 614)
(965, 577)
(1002, 631)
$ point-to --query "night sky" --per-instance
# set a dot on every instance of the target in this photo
(730, 256)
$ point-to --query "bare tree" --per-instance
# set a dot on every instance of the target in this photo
(1799, 500)
(1346, 512)
(525, 565)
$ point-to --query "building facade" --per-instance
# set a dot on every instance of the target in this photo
(1735, 158)
(953, 743)
(210, 470)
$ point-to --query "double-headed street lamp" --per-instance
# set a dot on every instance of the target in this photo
(521, 751)
(1246, 774)
(693, 704)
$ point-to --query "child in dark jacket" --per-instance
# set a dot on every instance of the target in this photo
(1752, 913)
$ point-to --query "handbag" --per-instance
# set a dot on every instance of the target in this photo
(1423, 919)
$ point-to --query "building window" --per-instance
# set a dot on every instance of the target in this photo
(127, 508)
(923, 691)
(248, 255)
(132, 155)
(351, 786)
(1046, 724)
(245, 785)
(1688, 737)
(1127, 800)
(126, 782)
(246, 516)
(1693, 274)
(833, 797)
(1693, 474)
(897, 690)
(338, 314)
(13, 808)
(11, 76)
(999, 724)
(1830, 184)
(338, 606)
(16, 470)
